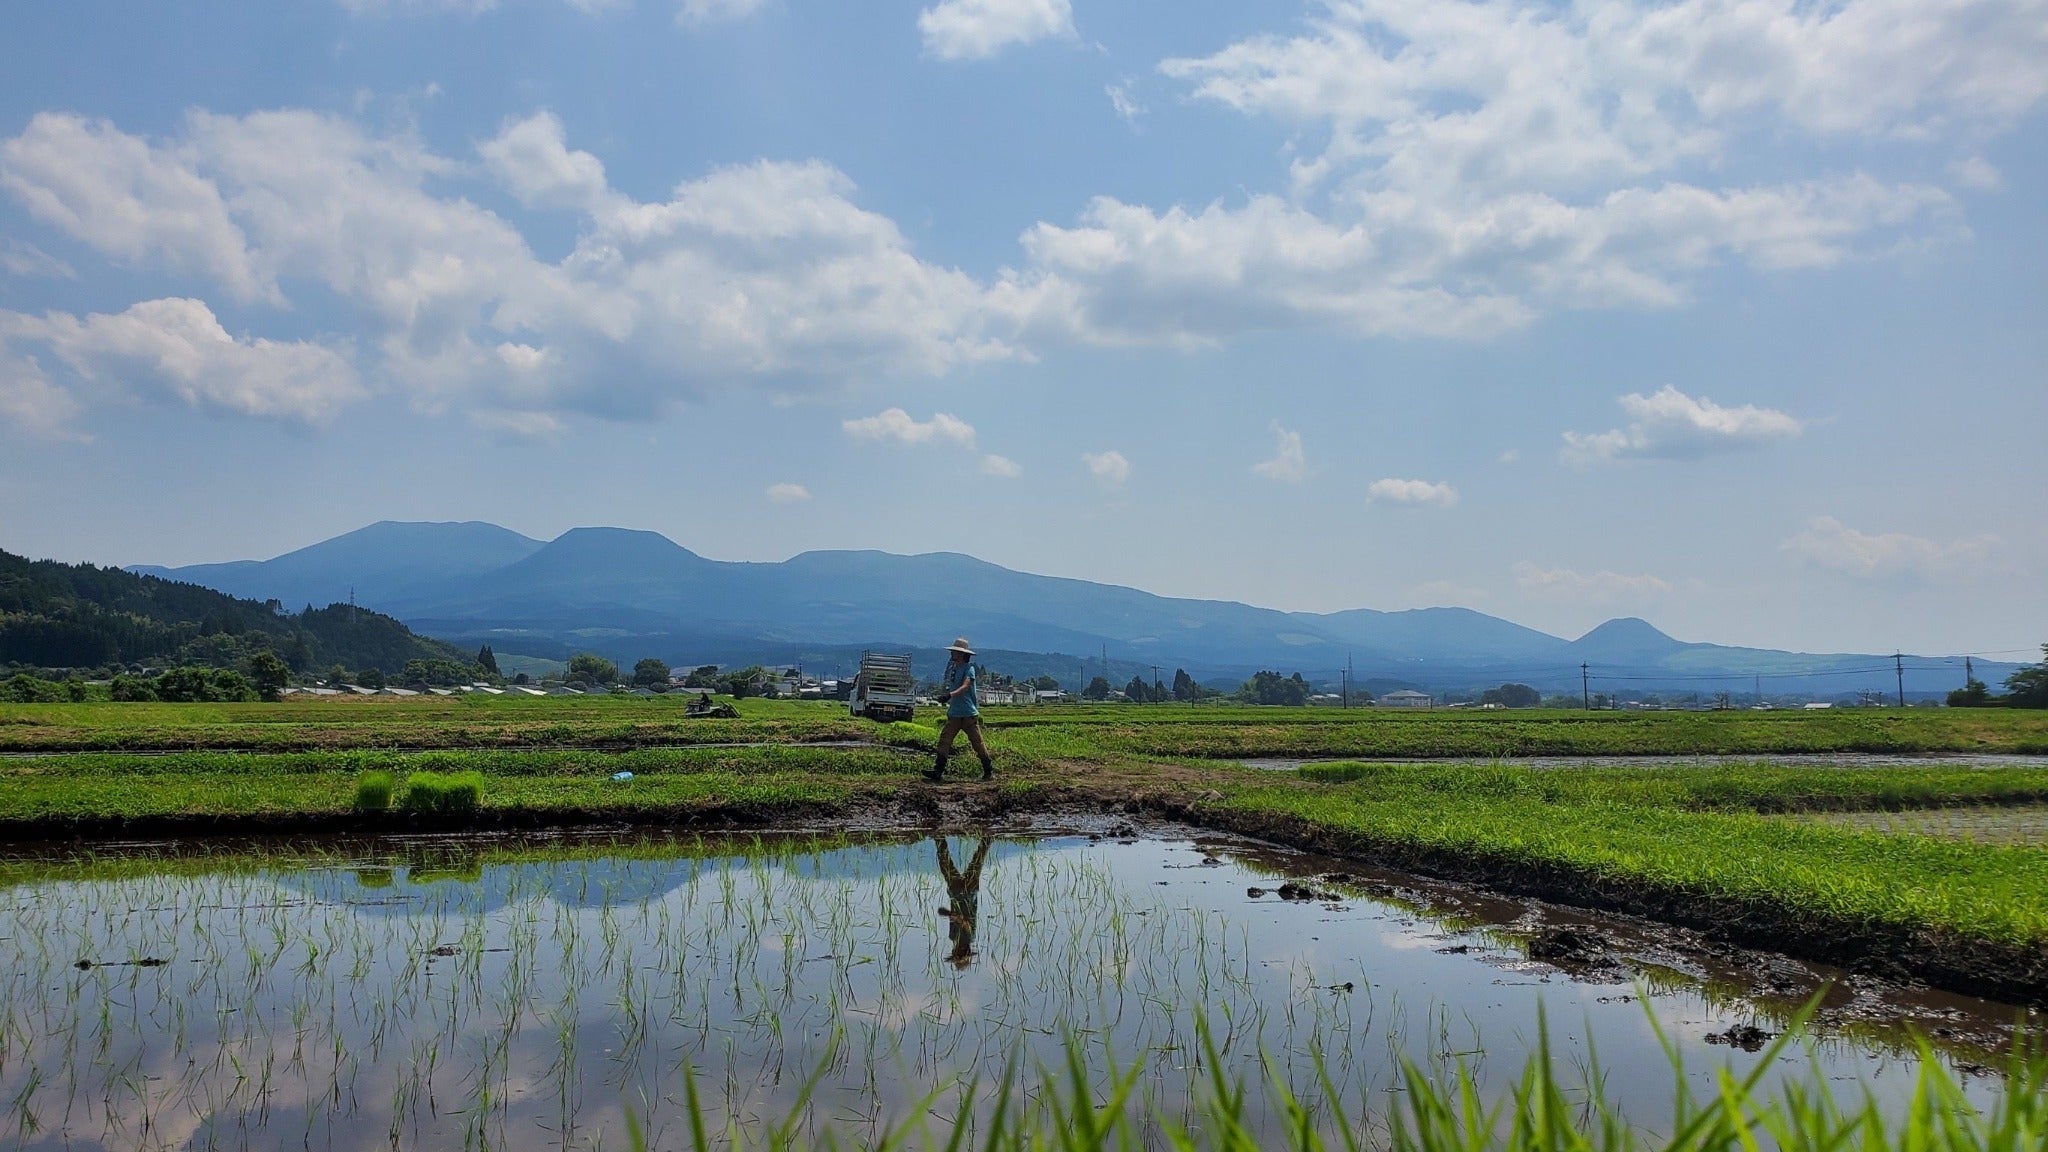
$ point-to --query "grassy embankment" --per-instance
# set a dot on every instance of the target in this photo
(1698, 844)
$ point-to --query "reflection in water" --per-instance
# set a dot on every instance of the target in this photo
(963, 892)
(495, 993)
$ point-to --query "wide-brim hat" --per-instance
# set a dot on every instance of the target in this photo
(962, 646)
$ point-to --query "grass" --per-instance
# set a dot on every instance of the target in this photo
(1068, 1109)
(1690, 836)
(1206, 731)
(1708, 841)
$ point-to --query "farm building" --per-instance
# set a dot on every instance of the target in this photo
(1405, 698)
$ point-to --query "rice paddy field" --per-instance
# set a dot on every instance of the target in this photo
(595, 923)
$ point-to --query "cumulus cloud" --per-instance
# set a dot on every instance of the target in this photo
(788, 493)
(1414, 493)
(1828, 543)
(975, 29)
(1587, 587)
(128, 200)
(713, 11)
(1670, 425)
(1289, 462)
(1125, 104)
(895, 426)
(178, 346)
(30, 401)
(1001, 466)
(526, 425)
(27, 260)
(765, 274)
(1109, 467)
(1471, 166)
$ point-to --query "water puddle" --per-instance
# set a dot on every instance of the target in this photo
(525, 991)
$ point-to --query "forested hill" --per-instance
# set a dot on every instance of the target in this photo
(56, 615)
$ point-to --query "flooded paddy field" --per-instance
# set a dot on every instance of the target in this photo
(533, 990)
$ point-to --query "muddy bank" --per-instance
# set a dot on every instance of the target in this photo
(2011, 973)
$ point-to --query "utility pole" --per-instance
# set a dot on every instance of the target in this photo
(1759, 689)
(1347, 680)
(1585, 687)
(1899, 665)
(1969, 671)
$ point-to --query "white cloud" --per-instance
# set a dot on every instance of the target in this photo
(788, 493)
(29, 401)
(1109, 467)
(1977, 173)
(1416, 493)
(527, 425)
(179, 346)
(1126, 105)
(712, 11)
(128, 200)
(1001, 466)
(1289, 462)
(766, 274)
(1587, 587)
(1470, 166)
(1670, 425)
(1828, 543)
(895, 426)
(530, 158)
(975, 29)
(26, 261)
(1510, 456)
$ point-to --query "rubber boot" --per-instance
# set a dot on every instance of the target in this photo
(938, 769)
(988, 768)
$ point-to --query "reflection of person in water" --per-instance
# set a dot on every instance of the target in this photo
(964, 892)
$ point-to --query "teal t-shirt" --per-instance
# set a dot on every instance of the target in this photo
(962, 706)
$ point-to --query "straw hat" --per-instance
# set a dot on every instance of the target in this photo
(961, 646)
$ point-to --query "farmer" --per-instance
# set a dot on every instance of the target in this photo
(964, 891)
(962, 713)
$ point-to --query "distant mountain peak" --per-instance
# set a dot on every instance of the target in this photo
(1630, 634)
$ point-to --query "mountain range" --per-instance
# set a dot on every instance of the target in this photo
(628, 594)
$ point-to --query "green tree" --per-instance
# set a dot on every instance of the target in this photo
(1185, 689)
(650, 672)
(1973, 694)
(1097, 689)
(270, 674)
(592, 668)
(1045, 683)
(370, 678)
(702, 676)
(487, 659)
(1272, 688)
(2028, 687)
(1512, 696)
(746, 682)
(1137, 692)
(132, 689)
(337, 676)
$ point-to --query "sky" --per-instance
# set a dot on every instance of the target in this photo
(1728, 314)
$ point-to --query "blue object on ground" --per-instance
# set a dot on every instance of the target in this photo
(622, 775)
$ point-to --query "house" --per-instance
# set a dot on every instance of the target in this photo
(1048, 696)
(1406, 698)
(1817, 705)
(523, 690)
(562, 690)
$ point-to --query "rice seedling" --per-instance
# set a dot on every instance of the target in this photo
(374, 790)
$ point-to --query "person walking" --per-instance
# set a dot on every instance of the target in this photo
(963, 713)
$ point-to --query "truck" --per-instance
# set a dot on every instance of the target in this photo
(884, 690)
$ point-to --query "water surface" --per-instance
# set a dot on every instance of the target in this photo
(524, 992)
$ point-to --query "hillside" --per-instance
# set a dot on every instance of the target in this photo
(629, 594)
(56, 615)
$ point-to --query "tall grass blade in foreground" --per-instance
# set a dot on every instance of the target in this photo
(1065, 1110)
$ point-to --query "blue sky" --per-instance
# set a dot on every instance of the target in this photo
(1725, 313)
